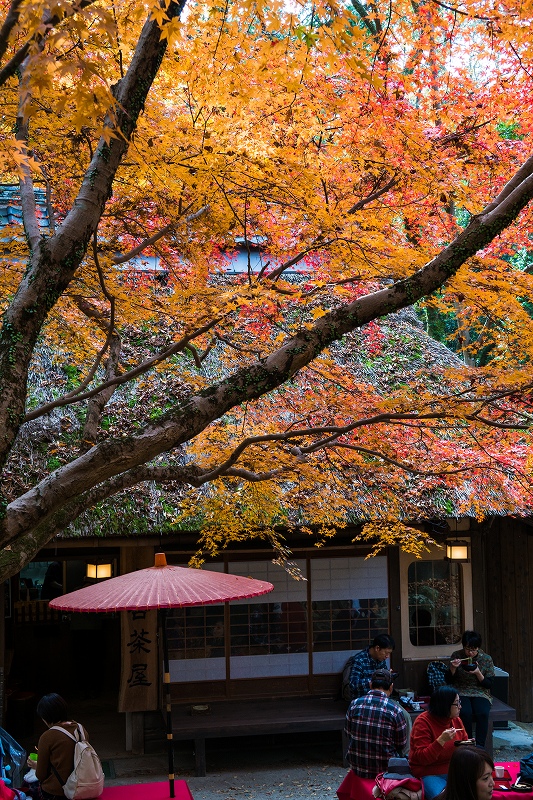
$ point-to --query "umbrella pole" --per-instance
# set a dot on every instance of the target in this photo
(166, 681)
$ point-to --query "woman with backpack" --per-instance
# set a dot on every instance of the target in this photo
(55, 750)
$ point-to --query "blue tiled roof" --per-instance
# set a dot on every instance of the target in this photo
(10, 206)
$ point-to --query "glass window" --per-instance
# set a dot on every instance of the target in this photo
(435, 604)
(41, 580)
(196, 632)
(341, 617)
(270, 628)
(263, 628)
(255, 629)
(348, 624)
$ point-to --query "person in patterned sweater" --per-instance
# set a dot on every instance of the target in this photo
(375, 727)
(471, 674)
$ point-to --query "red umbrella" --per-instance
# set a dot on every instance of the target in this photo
(162, 587)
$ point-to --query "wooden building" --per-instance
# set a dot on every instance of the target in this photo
(295, 641)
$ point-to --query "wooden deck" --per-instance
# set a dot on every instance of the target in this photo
(276, 715)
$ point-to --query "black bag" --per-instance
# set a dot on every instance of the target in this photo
(526, 767)
(346, 689)
(525, 777)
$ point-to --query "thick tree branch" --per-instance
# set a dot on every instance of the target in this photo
(15, 555)
(8, 25)
(51, 268)
(255, 477)
(151, 240)
(365, 19)
(14, 63)
(27, 193)
(514, 184)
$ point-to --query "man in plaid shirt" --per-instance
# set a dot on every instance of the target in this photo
(368, 660)
(376, 728)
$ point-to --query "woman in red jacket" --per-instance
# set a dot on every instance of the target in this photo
(433, 739)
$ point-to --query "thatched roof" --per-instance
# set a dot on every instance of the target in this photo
(410, 356)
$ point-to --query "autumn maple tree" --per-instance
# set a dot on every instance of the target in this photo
(378, 157)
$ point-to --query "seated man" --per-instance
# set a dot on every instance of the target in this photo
(376, 728)
(367, 661)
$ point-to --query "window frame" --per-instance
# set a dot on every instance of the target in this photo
(413, 652)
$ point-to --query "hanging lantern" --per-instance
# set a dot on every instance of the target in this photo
(99, 571)
(457, 550)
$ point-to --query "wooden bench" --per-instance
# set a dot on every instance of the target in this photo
(254, 717)
(238, 717)
(499, 712)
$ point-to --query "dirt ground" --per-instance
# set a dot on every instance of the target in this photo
(262, 768)
(285, 767)
(278, 768)
(511, 746)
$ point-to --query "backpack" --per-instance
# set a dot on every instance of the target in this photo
(436, 672)
(526, 767)
(346, 689)
(86, 781)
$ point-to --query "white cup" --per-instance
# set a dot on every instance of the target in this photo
(499, 772)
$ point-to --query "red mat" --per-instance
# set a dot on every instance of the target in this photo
(355, 788)
(147, 791)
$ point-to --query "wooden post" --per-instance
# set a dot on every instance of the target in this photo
(168, 701)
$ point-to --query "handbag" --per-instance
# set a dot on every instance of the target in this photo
(397, 783)
(406, 788)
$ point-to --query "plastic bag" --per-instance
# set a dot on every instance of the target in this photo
(12, 758)
(30, 776)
